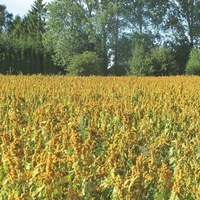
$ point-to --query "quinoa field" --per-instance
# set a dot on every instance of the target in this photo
(99, 138)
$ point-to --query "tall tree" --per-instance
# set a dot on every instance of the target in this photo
(87, 25)
(6, 48)
(117, 37)
(107, 17)
(65, 33)
(22, 47)
(146, 18)
(182, 29)
(75, 27)
(36, 28)
(190, 15)
(114, 30)
(5, 19)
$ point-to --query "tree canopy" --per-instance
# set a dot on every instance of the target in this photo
(137, 37)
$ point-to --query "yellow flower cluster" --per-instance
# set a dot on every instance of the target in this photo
(99, 137)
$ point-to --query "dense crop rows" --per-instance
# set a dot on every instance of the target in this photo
(99, 138)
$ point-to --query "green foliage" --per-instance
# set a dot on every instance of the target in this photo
(21, 43)
(49, 36)
(5, 19)
(85, 64)
(180, 51)
(162, 62)
(193, 65)
(157, 62)
(67, 30)
(140, 62)
(190, 14)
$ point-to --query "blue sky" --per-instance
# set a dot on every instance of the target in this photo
(19, 7)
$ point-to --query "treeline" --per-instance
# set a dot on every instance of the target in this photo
(100, 37)
(21, 45)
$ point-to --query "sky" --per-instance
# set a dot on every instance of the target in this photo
(19, 7)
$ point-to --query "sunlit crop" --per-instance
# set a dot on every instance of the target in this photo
(130, 138)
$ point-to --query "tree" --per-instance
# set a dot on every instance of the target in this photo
(184, 20)
(78, 26)
(180, 49)
(35, 29)
(85, 64)
(5, 19)
(156, 62)
(22, 47)
(140, 62)
(6, 48)
(190, 17)
(124, 54)
(66, 33)
(146, 17)
(182, 29)
(162, 62)
(193, 65)
(120, 32)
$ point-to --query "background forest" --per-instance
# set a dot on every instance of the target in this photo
(100, 37)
